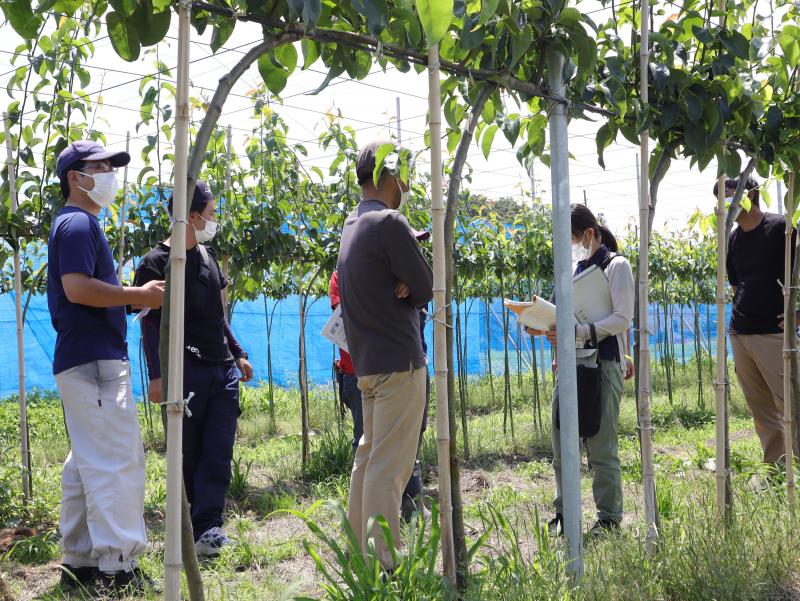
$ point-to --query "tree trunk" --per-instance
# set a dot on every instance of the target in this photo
(301, 374)
(454, 185)
(462, 380)
(270, 382)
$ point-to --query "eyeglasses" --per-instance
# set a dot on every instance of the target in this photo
(98, 169)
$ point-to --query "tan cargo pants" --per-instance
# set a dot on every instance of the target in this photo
(393, 405)
(759, 367)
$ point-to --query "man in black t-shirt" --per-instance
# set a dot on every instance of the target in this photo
(755, 264)
(212, 356)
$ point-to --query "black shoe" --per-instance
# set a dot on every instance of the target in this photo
(73, 577)
(556, 526)
(409, 506)
(132, 582)
(602, 527)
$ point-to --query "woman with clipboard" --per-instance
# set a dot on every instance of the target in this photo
(602, 365)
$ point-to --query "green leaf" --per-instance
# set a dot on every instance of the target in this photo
(791, 49)
(125, 8)
(488, 10)
(735, 43)
(605, 135)
(381, 153)
(275, 77)
(733, 166)
(586, 50)
(569, 16)
(376, 12)
(774, 118)
(311, 11)
(286, 55)
(520, 43)
(124, 38)
(311, 50)
(694, 107)
(22, 18)
(511, 127)
(487, 139)
(435, 16)
(223, 29)
(152, 27)
(335, 71)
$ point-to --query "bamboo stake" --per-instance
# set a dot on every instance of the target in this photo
(719, 383)
(440, 334)
(24, 445)
(645, 418)
(788, 345)
(567, 377)
(122, 210)
(177, 260)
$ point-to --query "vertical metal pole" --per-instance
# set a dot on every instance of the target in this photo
(645, 418)
(585, 200)
(565, 319)
(177, 259)
(440, 336)
(122, 210)
(23, 408)
(399, 131)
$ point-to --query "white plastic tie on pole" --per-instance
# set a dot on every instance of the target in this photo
(182, 404)
(432, 317)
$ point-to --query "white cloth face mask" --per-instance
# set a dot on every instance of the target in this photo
(208, 232)
(738, 211)
(105, 188)
(404, 196)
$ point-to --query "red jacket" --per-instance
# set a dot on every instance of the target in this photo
(345, 363)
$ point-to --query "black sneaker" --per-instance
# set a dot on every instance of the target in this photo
(556, 526)
(132, 582)
(73, 577)
(603, 527)
(410, 506)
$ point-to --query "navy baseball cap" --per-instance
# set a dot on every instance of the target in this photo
(201, 197)
(88, 150)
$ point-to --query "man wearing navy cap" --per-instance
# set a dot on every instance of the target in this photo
(209, 371)
(101, 535)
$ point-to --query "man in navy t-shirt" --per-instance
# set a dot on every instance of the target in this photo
(102, 484)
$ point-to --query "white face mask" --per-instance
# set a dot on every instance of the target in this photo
(580, 252)
(105, 188)
(207, 233)
(729, 202)
(404, 196)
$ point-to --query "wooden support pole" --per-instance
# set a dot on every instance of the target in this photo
(440, 334)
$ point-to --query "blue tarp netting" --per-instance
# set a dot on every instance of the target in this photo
(249, 325)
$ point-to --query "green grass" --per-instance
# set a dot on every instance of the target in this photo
(287, 528)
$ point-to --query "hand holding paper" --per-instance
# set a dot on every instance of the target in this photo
(537, 314)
